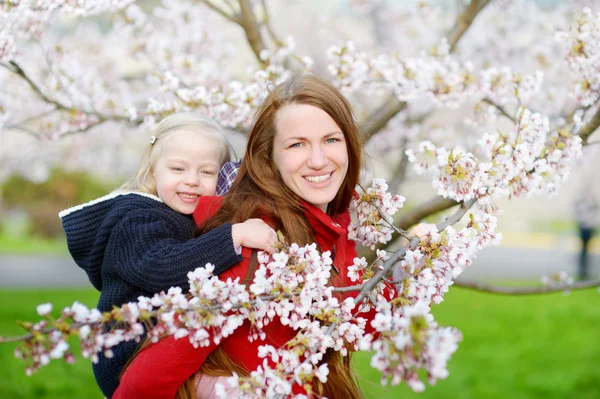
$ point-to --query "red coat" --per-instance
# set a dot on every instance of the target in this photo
(162, 368)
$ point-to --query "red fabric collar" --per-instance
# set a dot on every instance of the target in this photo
(327, 229)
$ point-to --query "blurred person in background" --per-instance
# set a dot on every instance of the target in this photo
(585, 209)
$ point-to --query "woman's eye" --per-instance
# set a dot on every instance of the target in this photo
(333, 140)
(295, 145)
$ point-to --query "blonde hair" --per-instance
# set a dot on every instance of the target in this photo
(144, 181)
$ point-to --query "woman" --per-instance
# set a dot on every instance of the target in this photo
(301, 166)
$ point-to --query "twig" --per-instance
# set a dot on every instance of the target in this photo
(267, 22)
(433, 206)
(504, 290)
(500, 108)
(23, 129)
(231, 17)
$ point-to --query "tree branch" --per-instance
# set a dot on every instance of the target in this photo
(16, 68)
(500, 108)
(252, 28)
(267, 22)
(23, 129)
(464, 22)
(504, 290)
(590, 127)
(231, 17)
(433, 206)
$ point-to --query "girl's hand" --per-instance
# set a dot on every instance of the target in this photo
(254, 233)
(418, 230)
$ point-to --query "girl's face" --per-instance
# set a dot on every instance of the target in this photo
(187, 167)
(310, 153)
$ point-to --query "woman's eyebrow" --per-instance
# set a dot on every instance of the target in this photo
(304, 138)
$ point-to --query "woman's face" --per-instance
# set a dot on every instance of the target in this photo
(310, 153)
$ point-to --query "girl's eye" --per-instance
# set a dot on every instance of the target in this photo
(208, 172)
(176, 169)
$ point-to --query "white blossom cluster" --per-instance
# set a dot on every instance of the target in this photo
(529, 160)
(582, 43)
(426, 272)
(27, 19)
(437, 76)
(374, 210)
(408, 339)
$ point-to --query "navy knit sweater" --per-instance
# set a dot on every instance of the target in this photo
(132, 244)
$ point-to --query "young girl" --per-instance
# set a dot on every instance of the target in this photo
(139, 240)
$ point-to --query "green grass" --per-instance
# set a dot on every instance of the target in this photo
(513, 347)
(11, 244)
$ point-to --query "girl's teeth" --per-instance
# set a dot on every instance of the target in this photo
(317, 179)
(190, 196)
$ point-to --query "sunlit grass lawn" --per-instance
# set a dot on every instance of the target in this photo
(514, 347)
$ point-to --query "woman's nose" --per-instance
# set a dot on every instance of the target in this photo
(317, 159)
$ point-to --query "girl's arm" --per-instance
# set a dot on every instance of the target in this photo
(159, 370)
(153, 253)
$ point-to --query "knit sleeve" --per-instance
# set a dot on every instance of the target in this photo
(159, 370)
(153, 253)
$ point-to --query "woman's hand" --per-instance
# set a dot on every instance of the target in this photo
(254, 233)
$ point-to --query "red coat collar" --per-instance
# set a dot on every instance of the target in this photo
(327, 229)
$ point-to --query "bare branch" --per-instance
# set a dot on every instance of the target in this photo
(233, 17)
(23, 129)
(267, 22)
(433, 206)
(377, 120)
(252, 28)
(464, 22)
(590, 127)
(500, 108)
(504, 290)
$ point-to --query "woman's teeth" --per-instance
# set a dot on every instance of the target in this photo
(317, 179)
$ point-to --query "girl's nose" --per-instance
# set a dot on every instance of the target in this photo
(192, 179)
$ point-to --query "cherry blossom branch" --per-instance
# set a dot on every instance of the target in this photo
(504, 290)
(379, 118)
(16, 68)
